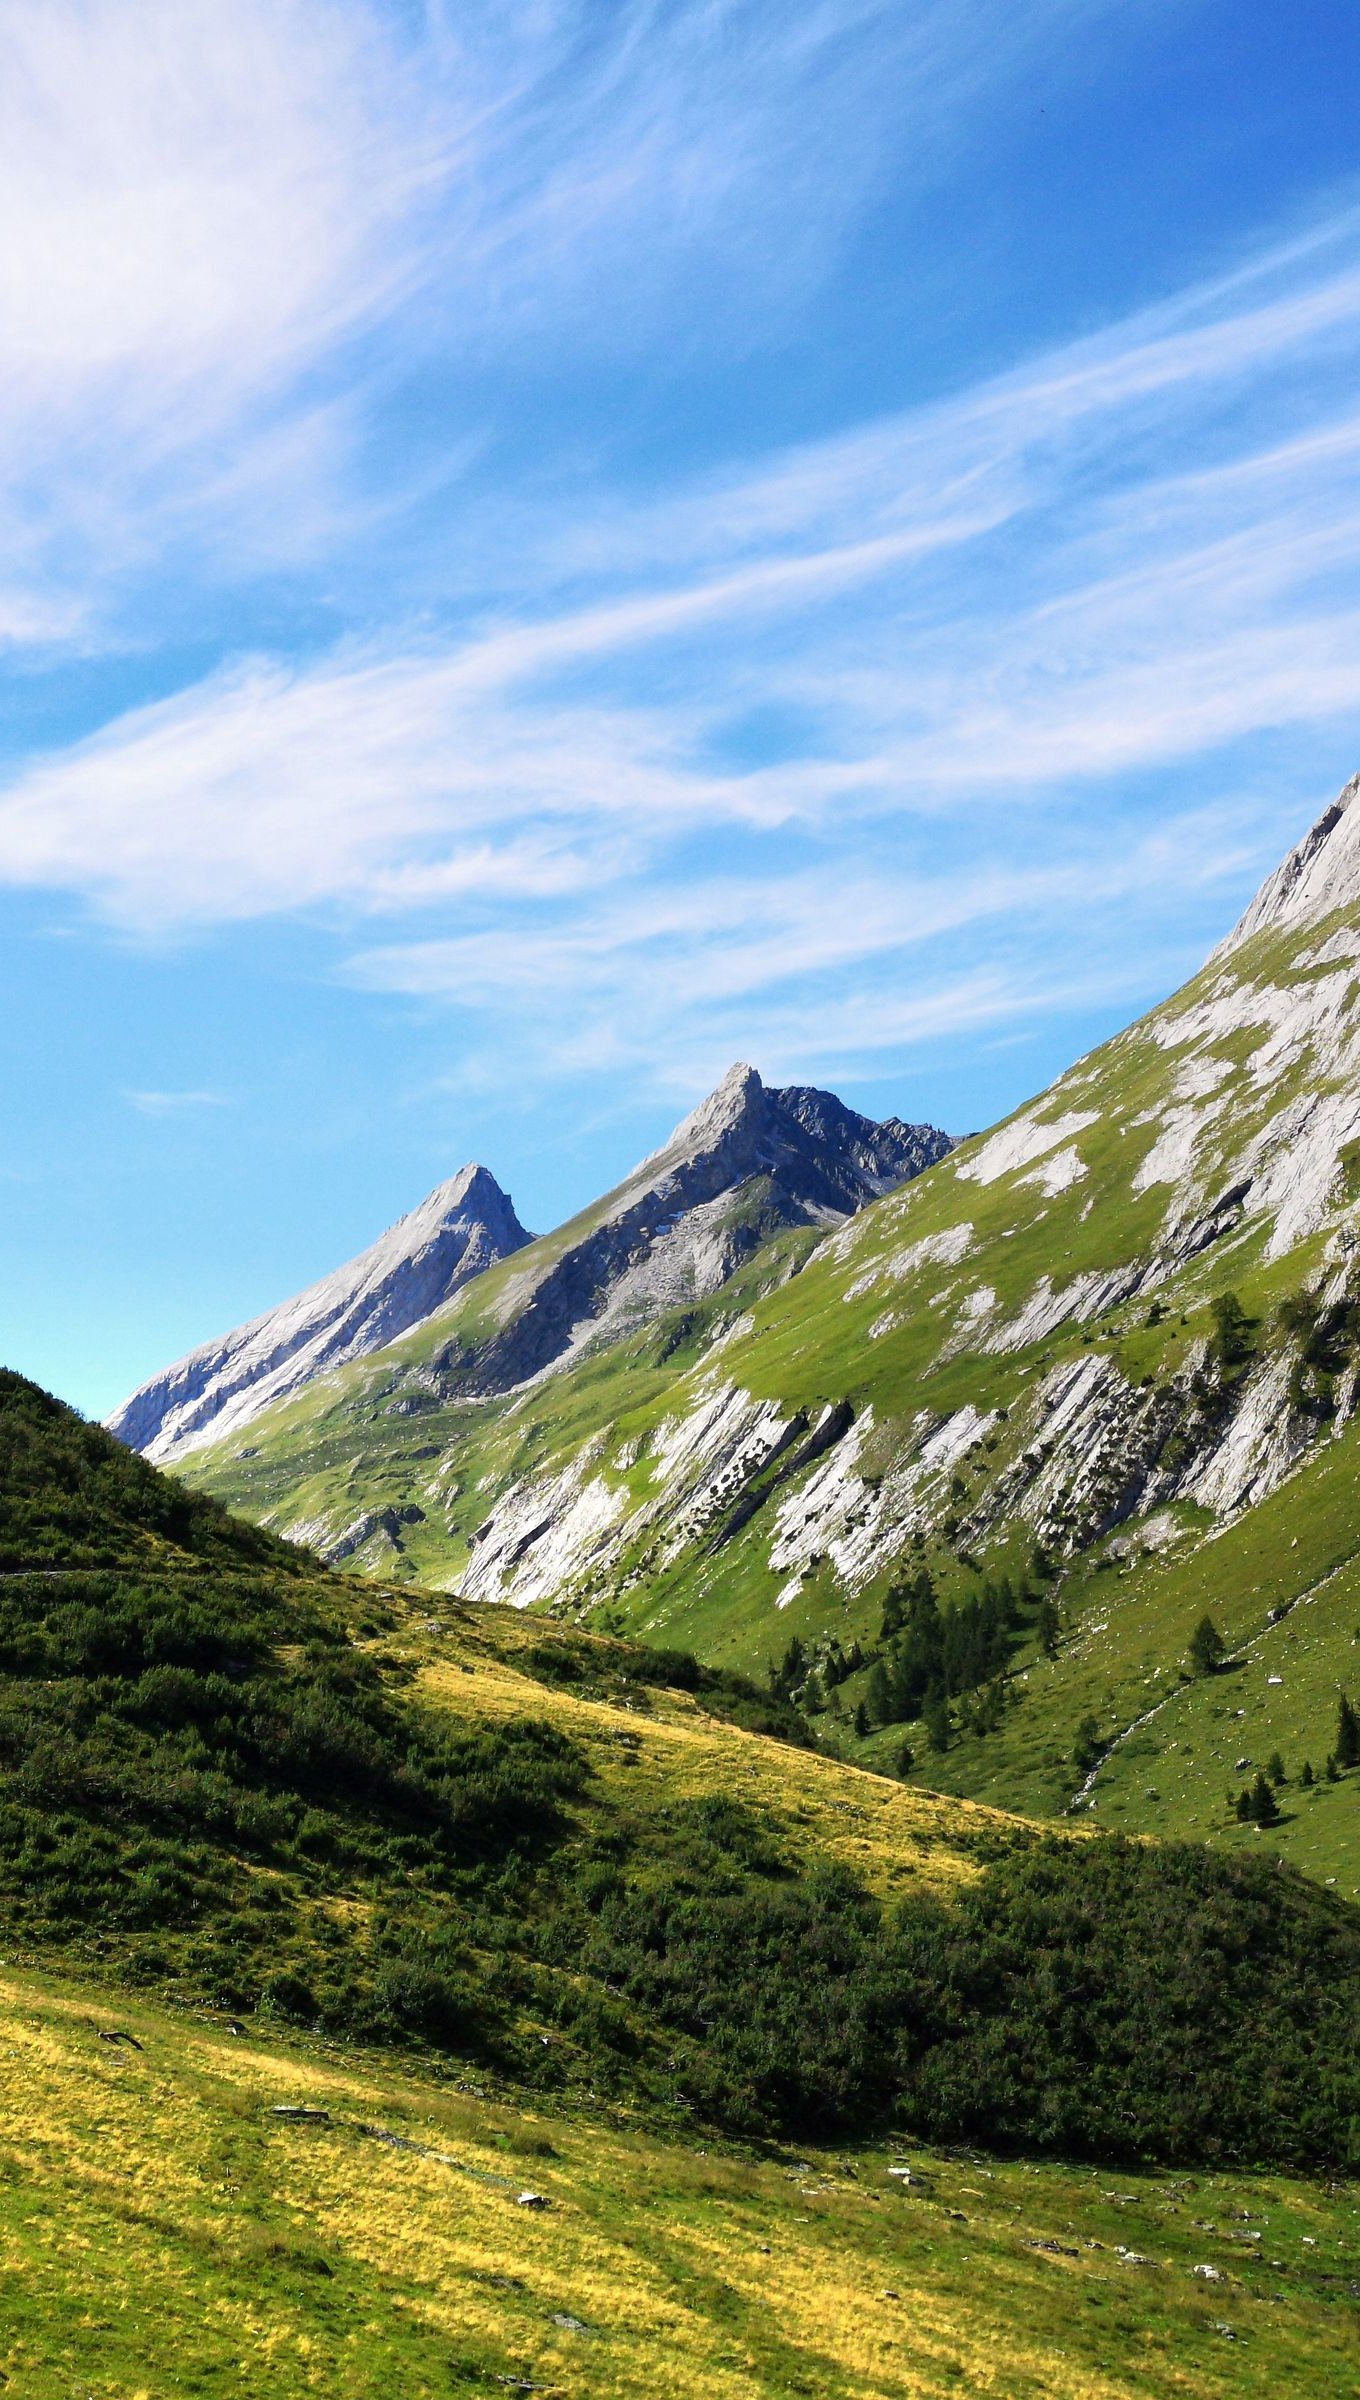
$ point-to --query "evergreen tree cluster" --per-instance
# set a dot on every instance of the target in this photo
(1326, 1340)
(1256, 1803)
(933, 1654)
(805, 1676)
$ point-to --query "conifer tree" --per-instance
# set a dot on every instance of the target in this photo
(1306, 1776)
(878, 1696)
(1347, 1752)
(1243, 1806)
(1207, 1647)
(1275, 1769)
(1048, 1627)
(1265, 1808)
(939, 1730)
(861, 1722)
(1087, 1748)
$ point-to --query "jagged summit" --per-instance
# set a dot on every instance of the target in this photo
(747, 1163)
(843, 1159)
(1320, 874)
(461, 1228)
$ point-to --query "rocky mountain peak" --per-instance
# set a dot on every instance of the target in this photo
(730, 1104)
(462, 1227)
(1320, 874)
(749, 1162)
(822, 1152)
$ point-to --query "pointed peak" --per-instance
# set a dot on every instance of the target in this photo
(469, 1179)
(740, 1091)
(1320, 873)
(472, 1192)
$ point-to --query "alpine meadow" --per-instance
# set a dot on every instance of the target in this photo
(680, 1210)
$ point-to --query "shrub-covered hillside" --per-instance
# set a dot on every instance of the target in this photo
(71, 1496)
(217, 1777)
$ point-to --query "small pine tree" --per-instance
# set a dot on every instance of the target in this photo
(1275, 1769)
(861, 1722)
(1048, 1627)
(878, 1695)
(905, 1760)
(1306, 1775)
(1243, 1806)
(1207, 1647)
(939, 1728)
(1265, 1808)
(894, 1612)
(1347, 1752)
(1230, 1341)
(1331, 1771)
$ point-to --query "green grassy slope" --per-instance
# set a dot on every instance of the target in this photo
(1283, 1586)
(573, 1861)
(162, 2230)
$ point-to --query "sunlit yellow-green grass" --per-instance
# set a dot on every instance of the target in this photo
(161, 2230)
(665, 1747)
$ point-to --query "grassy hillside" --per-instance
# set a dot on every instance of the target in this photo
(1282, 1584)
(567, 1859)
(162, 2229)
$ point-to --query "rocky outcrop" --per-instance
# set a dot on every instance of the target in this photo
(464, 1226)
(1321, 873)
(750, 1162)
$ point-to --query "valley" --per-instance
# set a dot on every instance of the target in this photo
(670, 1736)
(1119, 1336)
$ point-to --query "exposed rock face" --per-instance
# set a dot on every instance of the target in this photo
(419, 1263)
(1321, 873)
(748, 1163)
(1219, 1135)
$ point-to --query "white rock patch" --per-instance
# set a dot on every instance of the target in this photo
(1058, 1173)
(1024, 1139)
(1172, 1155)
(540, 1534)
(943, 1249)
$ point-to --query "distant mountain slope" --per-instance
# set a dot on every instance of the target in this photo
(463, 1227)
(747, 1164)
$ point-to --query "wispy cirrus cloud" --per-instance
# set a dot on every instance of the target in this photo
(659, 764)
(954, 605)
(228, 232)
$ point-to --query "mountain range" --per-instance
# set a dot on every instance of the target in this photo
(1106, 1348)
(1030, 1476)
(747, 1163)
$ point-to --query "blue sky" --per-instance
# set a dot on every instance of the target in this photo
(548, 547)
